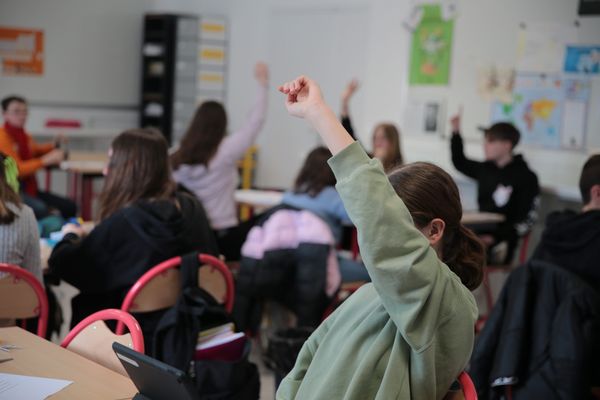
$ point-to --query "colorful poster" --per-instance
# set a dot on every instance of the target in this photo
(22, 51)
(549, 110)
(431, 48)
(582, 59)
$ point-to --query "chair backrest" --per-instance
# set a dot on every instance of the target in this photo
(22, 296)
(92, 339)
(159, 288)
(468, 387)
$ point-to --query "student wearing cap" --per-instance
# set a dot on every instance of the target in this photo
(572, 240)
(505, 184)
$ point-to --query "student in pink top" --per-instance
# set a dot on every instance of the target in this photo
(206, 162)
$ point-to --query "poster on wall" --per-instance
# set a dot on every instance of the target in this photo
(541, 46)
(22, 51)
(550, 111)
(582, 60)
(431, 48)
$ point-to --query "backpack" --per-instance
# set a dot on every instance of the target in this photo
(176, 337)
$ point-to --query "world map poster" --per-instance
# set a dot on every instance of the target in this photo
(538, 109)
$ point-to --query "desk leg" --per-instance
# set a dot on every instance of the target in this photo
(48, 179)
(354, 244)
(86, 197)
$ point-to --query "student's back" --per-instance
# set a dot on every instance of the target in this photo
(135, 233)
(572, 240)
(19, 236)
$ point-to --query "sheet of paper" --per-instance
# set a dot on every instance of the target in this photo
(22, 387)
(573, 126)
(541, 46)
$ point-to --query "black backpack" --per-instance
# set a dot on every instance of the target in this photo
(176, 337)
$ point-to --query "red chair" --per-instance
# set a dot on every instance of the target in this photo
(159, 288)
(22, 296)
(468, 387)
(92, 339)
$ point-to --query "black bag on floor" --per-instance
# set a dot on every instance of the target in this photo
(176, 337)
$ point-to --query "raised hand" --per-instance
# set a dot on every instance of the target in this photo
(261, 73)
(455, 121)
(304, 97)
(350, 89)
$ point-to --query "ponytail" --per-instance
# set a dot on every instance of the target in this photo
(465, 255)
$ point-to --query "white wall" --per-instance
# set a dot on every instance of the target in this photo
(485, 32)
(92, 50)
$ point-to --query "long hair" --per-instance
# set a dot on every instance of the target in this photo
(315, 175)
(429, 192)
(7, 194)
(394, 156)
(203, 137)
(138, 169)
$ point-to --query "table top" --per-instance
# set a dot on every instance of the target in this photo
(39, 357)
(85, 162)
(258, 198)
(479, 217)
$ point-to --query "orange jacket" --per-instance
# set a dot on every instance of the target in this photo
(26, 167)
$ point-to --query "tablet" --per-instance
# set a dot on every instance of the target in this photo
(154, 379)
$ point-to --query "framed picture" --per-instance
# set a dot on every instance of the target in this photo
(589, 7)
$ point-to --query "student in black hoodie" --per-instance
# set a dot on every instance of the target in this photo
(505, 184)
(144, 220)
(572, 240)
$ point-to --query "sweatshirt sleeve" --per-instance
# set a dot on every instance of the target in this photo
(39, 149)
(418, 291)
(468, 167)
(234, 146)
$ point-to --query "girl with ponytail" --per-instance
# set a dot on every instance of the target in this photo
(409, 333)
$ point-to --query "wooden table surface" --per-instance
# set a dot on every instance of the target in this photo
(479, 217)
(39, 357)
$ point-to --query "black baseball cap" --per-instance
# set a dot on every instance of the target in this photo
(503, 131)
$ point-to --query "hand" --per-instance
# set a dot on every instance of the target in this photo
(261, 73)
(54, 157)
(455, 121)
(350, 89)
(72, 228)
(304, 97)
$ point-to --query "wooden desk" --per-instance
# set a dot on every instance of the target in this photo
(38, 357)
(258, 199)
(481, 218)
(83, 167)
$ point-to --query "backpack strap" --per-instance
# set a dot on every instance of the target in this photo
(188, 270)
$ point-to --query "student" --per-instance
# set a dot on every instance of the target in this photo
(30, 157)
(409, 334)
(143, 221)
(314, 190)
(572, 240)
(505, 185)
(386, 137)
(206, 163)
(19, 236)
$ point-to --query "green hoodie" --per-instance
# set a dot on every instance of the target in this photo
(409, 334)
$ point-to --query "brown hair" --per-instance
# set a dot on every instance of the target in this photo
(203, 137)
(315, 175)
(429, 192)
(590, 176)
(7, 195)
(394, 156)
(138, 169)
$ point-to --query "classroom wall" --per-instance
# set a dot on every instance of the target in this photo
(92, 50)
(377, 52)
